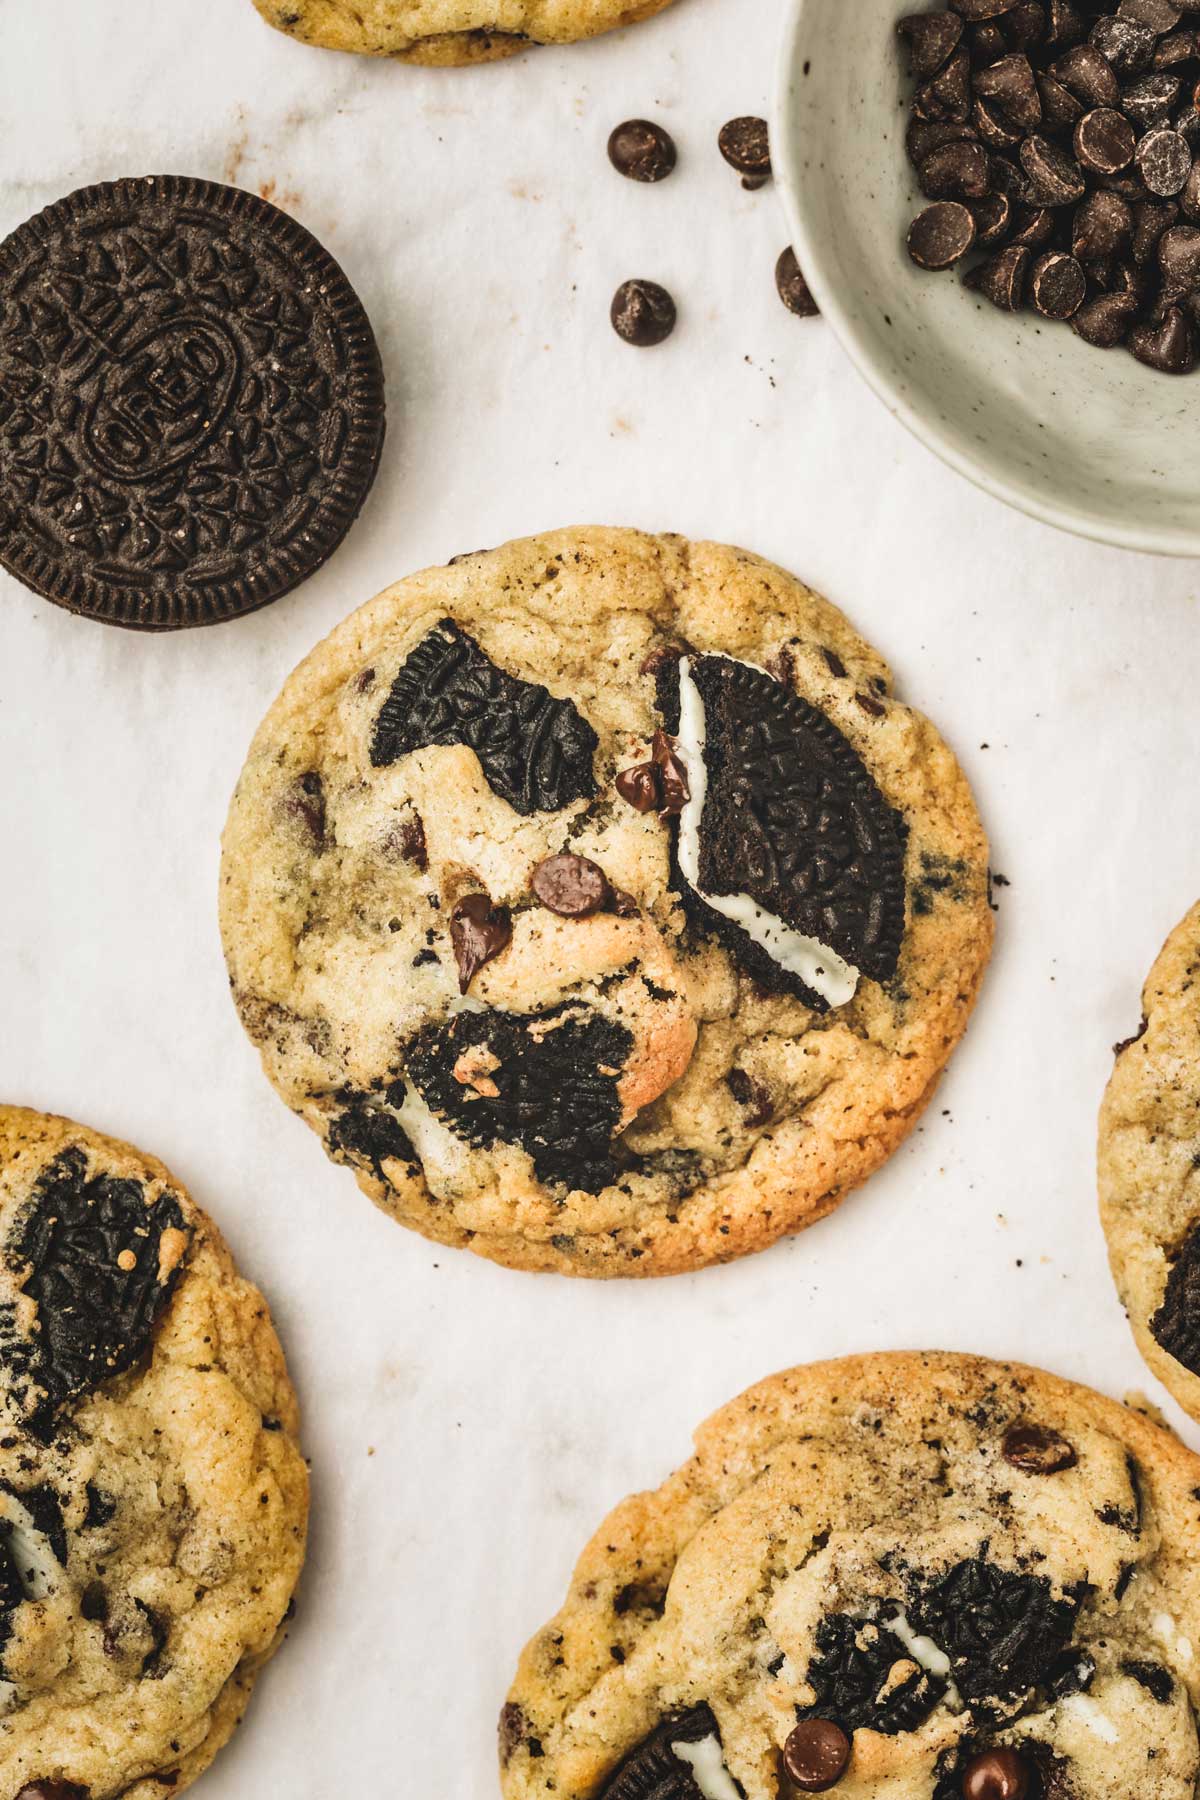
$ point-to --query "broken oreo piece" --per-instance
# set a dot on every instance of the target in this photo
(366, 1133)
(657, 1770)
(555, 1078)
(535, 751)
(100, 1264)
(191, 403)
(786, 847)
(1176, 1324)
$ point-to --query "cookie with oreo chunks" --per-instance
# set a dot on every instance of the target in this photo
(601, 905)
(864, 1582)
(1149, 1165)
(153, 1497)
(450, 32)
(191, 403)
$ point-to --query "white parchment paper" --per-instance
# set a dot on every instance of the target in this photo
(468, 1427)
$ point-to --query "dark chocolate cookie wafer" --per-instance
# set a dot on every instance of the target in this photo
(191, 403)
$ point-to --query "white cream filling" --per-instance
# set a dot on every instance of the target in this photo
(818, 967)
(1168, 1634)
(928, 1655)
(708, 1766)
(1090, 1716)
(35, 1562)
(434, 1143)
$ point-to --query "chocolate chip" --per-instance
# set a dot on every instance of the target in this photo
(1025, 25)
(1189, 198)
(1054, 178)
(643, 313)
(672, 776)
(1104, 321)
(982, 9)
(816, 1755)
(642, 151)
(1104, 141)
(1150, 220)
(1160, 15)
(941, 235)
(478, 931)
(948, 95)
(957, 171)
(1038, 1450)
(410, 841)
(1168, 346)
(1126, 45)
(921, 135)
(1103, 226)
(1060, 107)
(1180, 47)
(1164, 161)
(752, 1096)
(1088, 75)
(1179, 259)
(931, 39)
(623, 904)
(639, 787)
(1000, 1774)
(1011, 84)
(1149, 102)
(1033, 226)
(1064, 23)
(572, 886)
(794, 291)
(746, 146)
(988, 43)
(993, 129)
(1057, 285)
(1001, 279)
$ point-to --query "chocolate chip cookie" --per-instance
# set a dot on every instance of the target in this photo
(600, 904)
(931, 1577)
(153, 1499)
(446, 32)
(1149, 1163)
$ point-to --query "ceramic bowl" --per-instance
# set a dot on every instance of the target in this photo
(1089, 440)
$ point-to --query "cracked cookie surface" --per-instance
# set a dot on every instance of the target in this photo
(907, 1566)
(444, 32)
(1149, 1163)
(153, 1498)
(483, 925)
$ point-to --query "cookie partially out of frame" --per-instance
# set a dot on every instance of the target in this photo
(929, 1577)
(1150, 1168)
(443, 32)
(600, 904)
(153, 1499)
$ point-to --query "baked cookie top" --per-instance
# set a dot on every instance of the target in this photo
(902, 1575)
(1150, 1168)
(597, 901)
(153, 1499)
(446, 32)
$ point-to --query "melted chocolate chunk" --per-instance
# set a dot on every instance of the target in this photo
(555, 1078)
(1004, 1633)
(1158, 1682)
(1176, 1324)
(367, 1134)
(479, 931)
(793, 818)
(1038, 1450)
(101, 1508)
(572, 886)
(653, 1771)
(87, 1252)
(536, 751)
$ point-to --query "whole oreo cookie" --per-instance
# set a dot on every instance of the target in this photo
(153, 1497)
(851, 1588)
(191, 403)
(1149, 1185)
(601, 904)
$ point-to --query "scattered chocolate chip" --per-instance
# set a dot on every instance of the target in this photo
(1088, 75)
(989, 123)
(921, 136)
(1011, 83)
(993, 218)
(930, 39)
(816, 1755)
(941, 235)
(1057, 285)
(1001, 279)
(1103, 225)
(536, 751)
(623, 904)
(982, 9)
(672, 776)
(1189, 197)
(1025, 25)
(639, 787)
(1126, 45)
(1038, 1450)
(1179, 259)
(1180, 47)
(1000, 1774)
(643, 313)
(642, 151)
(1168, 345)
(479, 931)
(956, 171)
(794, 290)
(1053, 176)
(948, 95)
(1034, 225)
(1104, 141)
(1160, 15)
(1104, 322)
(1149, 102)
(1164, 161)
(572, 886)
(1060, 107)
(746, 146)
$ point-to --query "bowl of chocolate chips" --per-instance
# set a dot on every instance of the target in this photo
(996, 204)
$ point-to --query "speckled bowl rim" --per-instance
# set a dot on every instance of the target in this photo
(920, 419)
